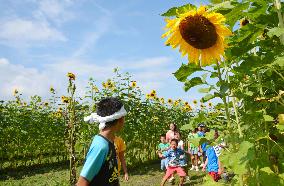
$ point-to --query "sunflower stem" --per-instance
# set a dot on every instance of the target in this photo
(280, 18)
(234, 104)
(223, 97)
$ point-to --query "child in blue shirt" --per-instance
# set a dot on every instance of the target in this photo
(174, 155)
(212, 161)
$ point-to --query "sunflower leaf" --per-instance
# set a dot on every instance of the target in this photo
(279, 61)
(186, 70)
(268, 118)
(207, 97)
(178, 10)
(192, 82)
(276, 31)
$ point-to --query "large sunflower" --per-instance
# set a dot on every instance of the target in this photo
(199, 34)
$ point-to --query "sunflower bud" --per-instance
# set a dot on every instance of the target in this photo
(281, 119)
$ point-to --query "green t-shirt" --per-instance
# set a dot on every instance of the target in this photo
(192, 136)
(163, 147)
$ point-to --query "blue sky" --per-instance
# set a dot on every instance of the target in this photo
(42, 40)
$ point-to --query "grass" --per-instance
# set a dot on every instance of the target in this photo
(58, 174)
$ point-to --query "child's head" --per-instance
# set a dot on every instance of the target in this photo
(113, 108)
(163, 138)
(201, 126)
(174, 144)
(194, 130)
(173, 127)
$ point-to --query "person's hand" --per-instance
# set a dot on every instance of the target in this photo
(126, 178)
(219, 171)
(203, 168)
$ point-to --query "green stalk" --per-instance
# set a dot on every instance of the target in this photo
(234, 105)
(280, 18)
(223, 97)
(265, 123)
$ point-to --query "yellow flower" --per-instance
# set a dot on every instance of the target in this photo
(156, 119)
(176, 103)
(147, 96)
(95, 89)
(153, 95)
(65, 99)
(244, 22)
(186, 103)
(133, 84)
(202, 106)
(59, 109)
(25, 104)
(210, 104)
(52, 90)
(195, 102)
(170, 101)
(104, 84)
(45, 103)
(187, 108)
(162, 100)
(198, 34)
(71, 76)
(58, 114)
(15, 92)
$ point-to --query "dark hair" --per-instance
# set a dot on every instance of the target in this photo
(175, 127)
(195, 130)
(107, 107)
(162, 135)
(175, 140)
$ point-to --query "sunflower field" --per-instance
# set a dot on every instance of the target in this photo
(234, 51)
(53, 130)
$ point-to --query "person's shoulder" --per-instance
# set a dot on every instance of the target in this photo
(100, 141)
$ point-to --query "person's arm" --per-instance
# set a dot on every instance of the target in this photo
(168, 137)
(82, 181)
(94, 161)
(123, 164)
(205, 164)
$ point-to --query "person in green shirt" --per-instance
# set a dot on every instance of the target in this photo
(162, 148)
(193, 150)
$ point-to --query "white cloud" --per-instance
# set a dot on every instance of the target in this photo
(54, 11)
(32, 81)
(102, 26)
(23, 31)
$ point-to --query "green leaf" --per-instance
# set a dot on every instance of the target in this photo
(178, 10)
(276, 31)
(207, 98)
(186, 70)
(249, 93)
(223, 89)
(192, 82)
(222, 5)
(280, 127)
(204, 90)
(268, 118)
(279, 61)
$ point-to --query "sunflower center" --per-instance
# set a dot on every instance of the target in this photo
(198, 31)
